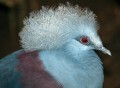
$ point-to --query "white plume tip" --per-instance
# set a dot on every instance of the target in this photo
(51, 28)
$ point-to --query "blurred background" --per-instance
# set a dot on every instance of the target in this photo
(12, 13)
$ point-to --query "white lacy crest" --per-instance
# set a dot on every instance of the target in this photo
(51, 28)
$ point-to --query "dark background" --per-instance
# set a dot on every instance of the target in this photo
(12, 13)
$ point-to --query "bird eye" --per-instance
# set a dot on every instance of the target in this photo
(84, 40)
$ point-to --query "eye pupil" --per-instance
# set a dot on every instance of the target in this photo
(84, 40)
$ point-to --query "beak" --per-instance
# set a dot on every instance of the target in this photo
(104, 50)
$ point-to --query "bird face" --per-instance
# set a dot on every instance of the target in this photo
(92, 41)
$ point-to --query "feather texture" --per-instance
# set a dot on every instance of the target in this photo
(9, 76)
(47, 27)
(52, 57)
(33, 74)
(73, 67)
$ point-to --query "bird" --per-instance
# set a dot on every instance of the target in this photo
(58, 46)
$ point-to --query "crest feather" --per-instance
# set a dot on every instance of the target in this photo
(50, 28)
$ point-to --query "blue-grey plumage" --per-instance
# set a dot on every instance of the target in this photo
(9, 76)
(73, 67)
(64, 39)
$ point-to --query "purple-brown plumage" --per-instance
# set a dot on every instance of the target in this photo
(33, 74)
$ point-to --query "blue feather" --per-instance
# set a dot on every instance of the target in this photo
(9, 76)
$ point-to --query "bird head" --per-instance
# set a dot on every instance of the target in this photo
(54, 28)
(89, 39)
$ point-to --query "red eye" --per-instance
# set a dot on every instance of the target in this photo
(84, 40)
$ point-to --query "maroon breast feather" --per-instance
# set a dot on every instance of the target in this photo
(33, 73)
